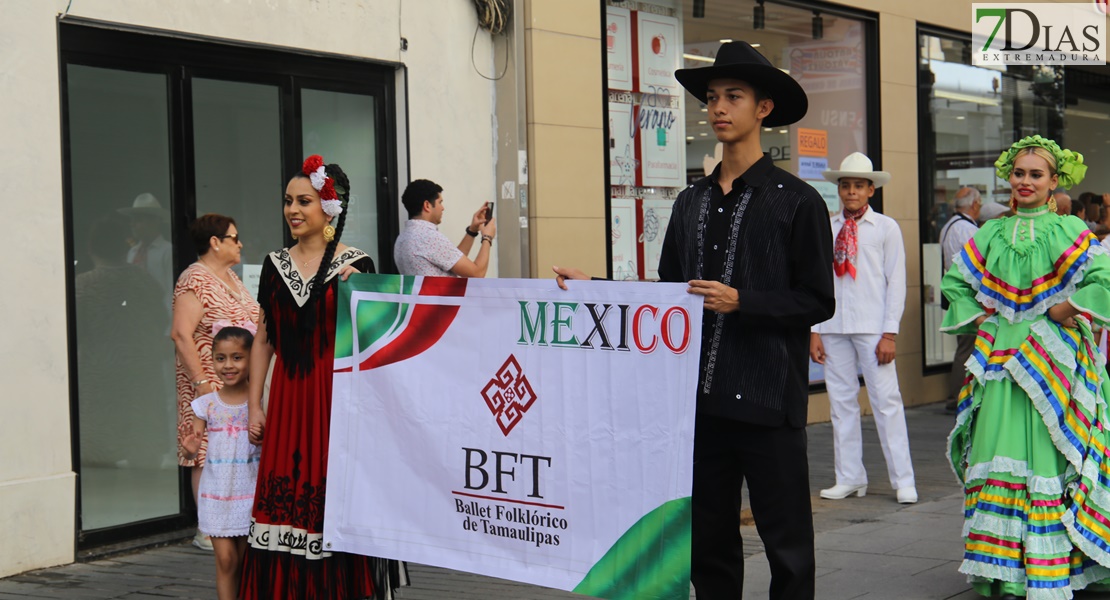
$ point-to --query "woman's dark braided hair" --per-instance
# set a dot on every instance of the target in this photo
(318, 285)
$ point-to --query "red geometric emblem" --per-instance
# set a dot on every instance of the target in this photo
(509, 395)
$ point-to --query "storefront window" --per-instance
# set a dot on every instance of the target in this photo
(968, 116)
(654, 124)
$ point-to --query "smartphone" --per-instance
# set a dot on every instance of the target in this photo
(489, 211)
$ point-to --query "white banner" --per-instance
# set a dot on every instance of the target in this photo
(509, 428)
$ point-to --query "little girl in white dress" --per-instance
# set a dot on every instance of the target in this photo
(226, 492)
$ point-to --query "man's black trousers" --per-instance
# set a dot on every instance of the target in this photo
(774, 463)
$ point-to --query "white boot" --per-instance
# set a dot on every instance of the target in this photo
(907, 495)
(839, 491)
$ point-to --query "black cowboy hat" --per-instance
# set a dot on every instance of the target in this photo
(738, 60)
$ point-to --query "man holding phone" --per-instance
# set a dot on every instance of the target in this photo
(422, 250)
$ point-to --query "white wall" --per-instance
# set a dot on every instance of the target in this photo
(36, 482)
(449, 129)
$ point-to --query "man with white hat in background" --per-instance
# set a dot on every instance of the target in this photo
(955, 233)
(869, 261)
(151, 251)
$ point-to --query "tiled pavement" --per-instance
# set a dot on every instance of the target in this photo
(867, 547)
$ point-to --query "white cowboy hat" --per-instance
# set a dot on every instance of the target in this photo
(858, 165)
(145, 204)
(991, 210)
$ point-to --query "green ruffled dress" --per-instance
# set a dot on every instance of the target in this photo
(1030, 441)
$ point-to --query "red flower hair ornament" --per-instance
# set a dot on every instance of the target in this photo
(317, 174)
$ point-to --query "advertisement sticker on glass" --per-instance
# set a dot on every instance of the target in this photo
(659, 48)
(662, 145)
(657, 215)
(618, 44)
(623, 238)
(622, 152)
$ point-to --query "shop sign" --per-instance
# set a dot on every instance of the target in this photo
(828, 66)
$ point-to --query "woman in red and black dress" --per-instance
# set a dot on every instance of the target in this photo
(285, 557)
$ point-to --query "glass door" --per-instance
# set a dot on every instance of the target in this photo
(237, 164)
(342, 128)
(119, 159)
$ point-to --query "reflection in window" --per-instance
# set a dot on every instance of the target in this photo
(237, 157)
(120, 168)
(968, 116)
(340, 127)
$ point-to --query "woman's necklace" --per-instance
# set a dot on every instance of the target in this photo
(306, 262)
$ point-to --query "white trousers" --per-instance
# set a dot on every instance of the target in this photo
(842, 355)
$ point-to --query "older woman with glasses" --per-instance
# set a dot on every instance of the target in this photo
(208, 291)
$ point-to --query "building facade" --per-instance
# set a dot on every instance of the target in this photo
(566, 118)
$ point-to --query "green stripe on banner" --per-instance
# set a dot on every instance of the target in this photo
(651, 561)
(375, 319)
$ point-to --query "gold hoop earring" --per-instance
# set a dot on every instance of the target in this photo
(1052, 204)
(293, 236)
(329, 233)
(1013, 204)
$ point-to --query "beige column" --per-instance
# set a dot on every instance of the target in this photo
(566, 170)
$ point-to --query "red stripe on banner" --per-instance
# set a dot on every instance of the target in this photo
(509, 500)
(443, 286)
(428, 323)
(639, 233)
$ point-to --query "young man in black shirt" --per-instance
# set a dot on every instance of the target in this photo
(755, 242)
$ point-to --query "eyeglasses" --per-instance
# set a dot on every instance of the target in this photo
(234, 237)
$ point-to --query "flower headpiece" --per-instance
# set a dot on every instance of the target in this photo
(1069, 165)
(248, 325)
(318, 175)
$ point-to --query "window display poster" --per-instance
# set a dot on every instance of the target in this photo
(829, 194)
(811, 167)
(622, 151)
(831, 71)
(622, 227)
(658, 50)
(662, 144)
(618, 43)
(656, 217)
(251, 276)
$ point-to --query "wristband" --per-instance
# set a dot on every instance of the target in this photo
(487, 238)
(471, 233)
(200, 382)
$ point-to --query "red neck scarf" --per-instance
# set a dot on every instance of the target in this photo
(844, 251)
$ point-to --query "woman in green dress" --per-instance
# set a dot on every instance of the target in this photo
(1030, 442)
